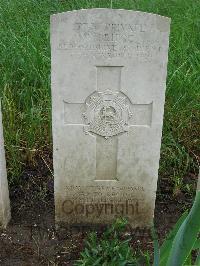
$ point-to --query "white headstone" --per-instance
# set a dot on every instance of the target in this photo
(4, 194)
(108, 92)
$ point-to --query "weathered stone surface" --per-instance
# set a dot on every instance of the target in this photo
(4, 194)
(108, 92)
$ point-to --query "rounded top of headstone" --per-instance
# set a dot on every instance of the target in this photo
(111, 15)
(104, 10)
(133, 21)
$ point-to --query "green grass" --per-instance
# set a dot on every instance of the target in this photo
(25, 80)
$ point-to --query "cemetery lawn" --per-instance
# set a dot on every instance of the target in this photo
(26, 106)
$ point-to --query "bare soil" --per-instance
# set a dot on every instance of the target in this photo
(31, 238)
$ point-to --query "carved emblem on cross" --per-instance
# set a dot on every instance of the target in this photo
(107, 113)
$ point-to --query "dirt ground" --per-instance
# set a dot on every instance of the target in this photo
(31, 238)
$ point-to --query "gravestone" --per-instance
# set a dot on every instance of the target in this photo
(4, 194)
(108, 92)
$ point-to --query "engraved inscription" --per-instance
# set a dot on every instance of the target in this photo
(93, 193)
(99, 201)
(111, 40)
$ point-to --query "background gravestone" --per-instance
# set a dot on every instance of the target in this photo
(4, 194)
(108, 92)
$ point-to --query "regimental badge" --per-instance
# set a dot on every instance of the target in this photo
(107, 113)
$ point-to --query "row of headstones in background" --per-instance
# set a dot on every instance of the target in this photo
(4, 194)
(108, 92)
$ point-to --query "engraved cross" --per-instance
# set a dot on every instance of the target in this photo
(107, 114)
